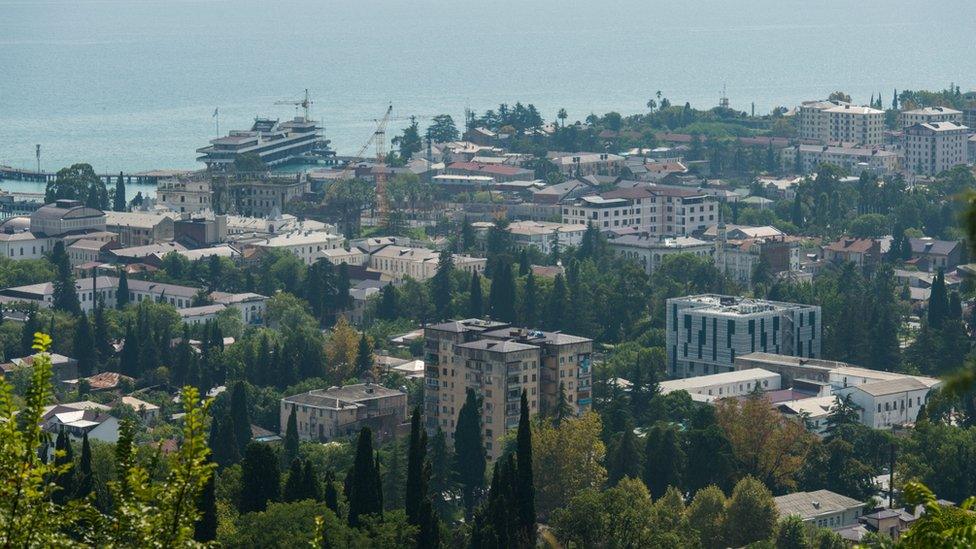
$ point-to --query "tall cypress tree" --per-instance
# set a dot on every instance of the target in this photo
(122, 294)
(240, 418)
(129, 363)
(441, 473)
(260, 478)
(205, 528)
(530, 301)
(388, 308)
(442, 285)
(416, 490)
(84, 347)
(103, 343)
(525, 484)
(85, 479)
(310, 482)
(32, 325)
(64, 455)
(290, 447)
(475, 297)
(363, 485)
(65, 296)
(557, 305)
(469, 451)
(294, 485)
(502, 294)
(625, 459)
(664, 460)
(118, 201)
(223, 443)
(393, 478)
(329, 493)
(364, 356)
(938, 301)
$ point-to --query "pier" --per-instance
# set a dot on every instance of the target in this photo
(140, 178)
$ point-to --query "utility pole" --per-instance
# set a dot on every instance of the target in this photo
(37, 153)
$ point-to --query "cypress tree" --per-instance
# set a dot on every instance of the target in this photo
(342, 300)
(363, 486)
(32, 325)
(955, 306)
(364, 356)
(85, 480)
(663, 460)
(65, 296)
(442, 285)
(475, 297)
(260, 478)
(525, 486)
(290, 447)
(938, 301)
(63, 455)
(294, 489)
(329, 494)
(388, 309)
(84, 347)
(103, 343)
(129, 362)
(530, 301)
(441, 474)
(563, 410)
(416, 490)
(625, 459)
(118, 202)
(205, 528)
(122, 294)
(310, 482)
(240, 418)
(557, 305)
(469, 451)
(223, 443)
(393, 479)
(524, 266)
(502, 294)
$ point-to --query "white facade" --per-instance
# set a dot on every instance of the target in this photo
(933, 148)
(398, 262)
(650, 251)
(883, 404)
(184, 195)
(853, 159)
(706, 332)
(724, 385)
(929, 115)
(656, 211)
(837, 121)
(24, 245)
(304, 245)
(544, 235)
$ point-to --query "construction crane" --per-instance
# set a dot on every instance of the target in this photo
(304, 104)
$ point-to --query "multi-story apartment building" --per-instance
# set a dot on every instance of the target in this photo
(706, 332)
(582, 164)
(654, 210)
(545, 235)
(264, 196)
(326, 414)
(806, 159)
(932, 148)
(185, 194)
(929, 115)
(840, 122)
(650, 251)
(399, 262)
(498, 363)
(303, 244)
(738, 258)
(140, 228)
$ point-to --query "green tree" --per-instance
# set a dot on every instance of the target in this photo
(85, 477)
(63, 459)
(938, 301)
(72, 183)
(525, 482)
(416, 489)
(289, 449)
(530, 301)
(791, 534)
(706, 514)
(475, 297)
(393, 478)
(441, 474)
(102, 335)
(205, 528)
(363, 485)
(469, 451)
(664, 460)
(249, 163)
(84, 347)
(409, 141)
(294, 489)
(364, 356)
(501, 296)
(260, 478)
(625, 460)
(240, 417)
(387, 308)
(65, 296)
(122, 294)
(118, 200)
(442, 129)
(311, 488)
(557, 305)
(751, 514)
(223, 442)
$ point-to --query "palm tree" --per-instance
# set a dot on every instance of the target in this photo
(562, 116)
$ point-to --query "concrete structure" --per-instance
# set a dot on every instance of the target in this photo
(78, 418)
(931, 255)
(187, 194)
(812, 411)
(840, 122)
(303, 244)
(140, 228)
(790, 367)
(266, 196)
(252, 306)
(821, 508)
(84, 251)
(326, 414)
(582, 163)
(705, 333)
(712, 387)
(654, 210)
(806, 159)
(544, 235)
(811, 120)
(498, 172)
(24, 244)
(398, 262)
(883, 404)
(650, 251)
(62, 367)
(863, 252)
(929, 115)
(463, 183)
(933, 148)
(498, 363)
(738, 258)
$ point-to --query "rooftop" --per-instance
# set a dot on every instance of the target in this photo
(339, 397)
(893, 386)
(497, 346)
(814, 504)
(737, 305)
(689, 383)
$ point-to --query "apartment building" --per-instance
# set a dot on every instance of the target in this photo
(650, 251)
(184, 194)
(498, 362)
(739, 257)
(399, 262)
(840, 122)
(303, 244)
(807, 158)
(140, 228)
(705, 333)
(582, 164)
(932, 148)
(266, 196)
(545, 235)
(325, 414)
(654, 210)
(929, 115)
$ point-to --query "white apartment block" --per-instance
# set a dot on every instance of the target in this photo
(705, 333)
(650, 251)
(399, 262)
(582, 164)
(545, 235)
(305, 245)
(654, 210)
(852, 159)
(837, 121)
(884, 404)
(710, 388)
(929, 115)
(932, 148)
(191, 195)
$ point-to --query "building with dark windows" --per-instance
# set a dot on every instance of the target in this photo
(705, 333)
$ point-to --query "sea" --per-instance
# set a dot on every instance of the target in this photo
(132, 85)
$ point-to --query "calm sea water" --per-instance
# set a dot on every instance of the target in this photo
(131, 85)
